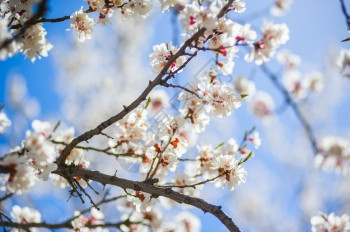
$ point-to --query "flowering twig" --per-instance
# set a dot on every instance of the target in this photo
(91, 133)
(42, 9)
(288, 99)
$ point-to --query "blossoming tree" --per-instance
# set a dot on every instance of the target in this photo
(142, 158)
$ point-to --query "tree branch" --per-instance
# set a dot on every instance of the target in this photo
(67, 171)
(345, 13)
(294, 107)
(42, 8)
(91, 133)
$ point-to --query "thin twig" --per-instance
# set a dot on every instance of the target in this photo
(288, 99)
(192, 185)
(345, 13)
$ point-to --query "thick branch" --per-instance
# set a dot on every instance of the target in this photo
(153, 190)
(294, 107)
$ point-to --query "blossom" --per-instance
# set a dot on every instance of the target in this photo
(238, 6)
(82, 24)
(219, 98)
(4, 122)
(343, 60)
(161, 55)
(330, 223)
(255, 139)
(231, 173)
(289, 60)
(242, 33)
(295, 84)
(136, 7)
(21, 175)
(159, 100)
(263, 105)
(186, 221)
(34, 43)
(244, 87)
(13, 47)
(142, 201)
(280, 7)
(314, 81)
(81, 221)
(194, 16)
(41, 151)
(25, 215)
(167, 4)
(334, 153)
(274, 35)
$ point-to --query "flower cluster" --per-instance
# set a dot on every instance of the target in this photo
(82, 24)
(297, 85)
(218, 98)
(32, 43)
(274, 35)
(160, 56)
(96, 218)
(35, 159)
(25, 215)
(223, 163)
(330, 223)
(334, 153)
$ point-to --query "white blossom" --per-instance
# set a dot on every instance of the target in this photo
(96, 217)
(334, 153)
(343, 60)
(288, 59)
(274, 35)
(280, 7)
(231, 173)
(239, 6)
(295, 84)
(245, 87)
(255, 138)
(21, 176)
(263, 105)
(330, 223)
(161, 55)
(13, 47)
(82, 24)
(136, 7)
(34, 43)
(143, 202)
(25, 215)
(314, 81)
